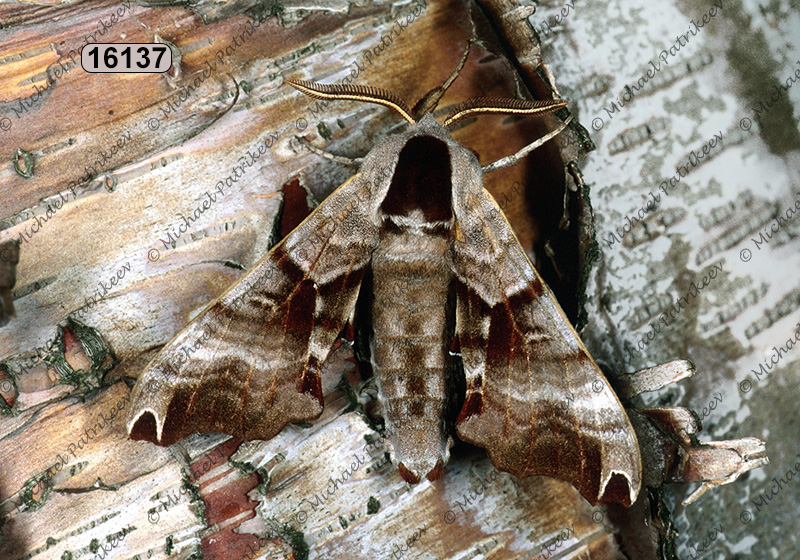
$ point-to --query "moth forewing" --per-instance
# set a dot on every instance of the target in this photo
(249, 363)
(533, 362)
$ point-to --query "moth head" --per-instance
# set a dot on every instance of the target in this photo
(469, 108)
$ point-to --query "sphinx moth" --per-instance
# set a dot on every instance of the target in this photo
(477, 334)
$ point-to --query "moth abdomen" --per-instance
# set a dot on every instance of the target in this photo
(412, 329)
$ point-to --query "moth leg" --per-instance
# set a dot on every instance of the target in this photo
(431, 99)
(513, 159)
(327, 155)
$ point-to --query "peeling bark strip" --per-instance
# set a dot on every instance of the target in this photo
(680, 304)
(238, 172)
(680, 41)
(153, 515)
(199, 470)
(786, 217)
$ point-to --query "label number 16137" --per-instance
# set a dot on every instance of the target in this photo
(126, 57)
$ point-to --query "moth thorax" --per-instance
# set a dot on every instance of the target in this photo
(421, 184)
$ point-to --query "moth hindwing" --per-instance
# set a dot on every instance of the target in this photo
(416, 215)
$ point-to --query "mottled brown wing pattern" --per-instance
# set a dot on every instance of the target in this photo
(536, 401)
(250, 362)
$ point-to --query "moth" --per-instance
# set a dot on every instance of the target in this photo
(476, 335)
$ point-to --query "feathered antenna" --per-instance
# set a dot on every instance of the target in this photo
(498, 105)
(367, 94)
